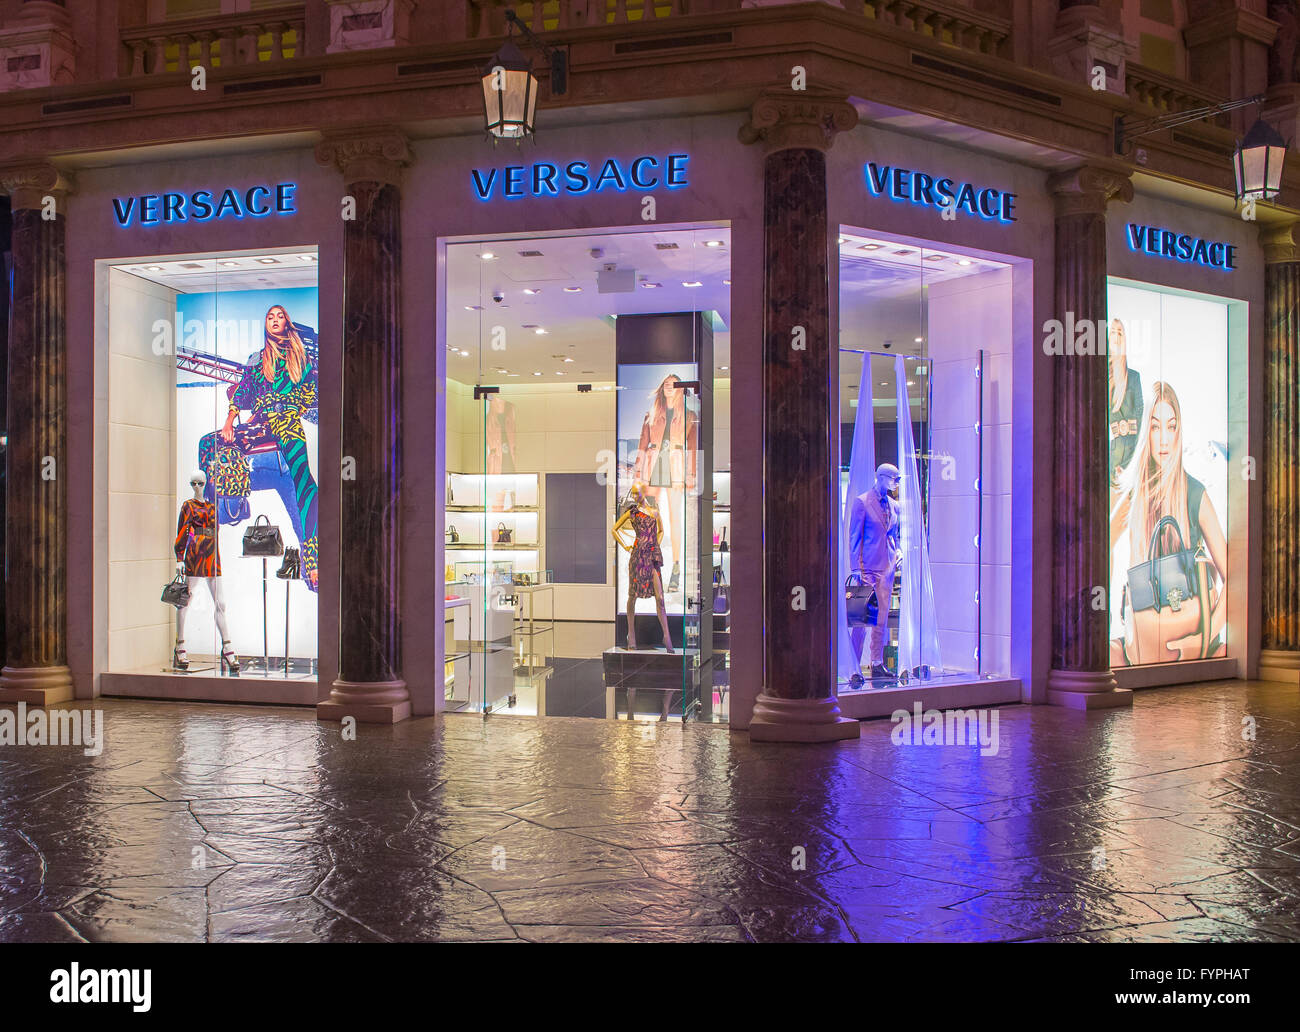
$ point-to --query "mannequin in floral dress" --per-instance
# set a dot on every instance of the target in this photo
(640, 529)
(198, 561)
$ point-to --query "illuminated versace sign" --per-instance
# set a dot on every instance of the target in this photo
(904, 184)
(1181, 247)
(547, 179)
(205, 205)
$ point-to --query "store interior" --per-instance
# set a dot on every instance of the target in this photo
(925, 330)
(212, 465)
(564, 356)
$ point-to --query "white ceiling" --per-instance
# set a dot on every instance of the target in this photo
(579, 321)
(229, 272)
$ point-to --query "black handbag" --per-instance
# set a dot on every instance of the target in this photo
(721, 593)
(860, 607)
(452, 535)
(262, 539)
(1163, 580)
(722, 545)
(176, 592)
(503, 534)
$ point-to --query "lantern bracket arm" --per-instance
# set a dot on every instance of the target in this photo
(557, 57)
(1127, 131)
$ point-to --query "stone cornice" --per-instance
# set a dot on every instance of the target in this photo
(1278, 243)
(371, 155)
(1226, 24)
(29, 183)
(784, 119)
(1088, 189)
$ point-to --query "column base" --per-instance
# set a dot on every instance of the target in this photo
(1086, 690)
(1279, 665)
(800, 720)
(368, 702)
(36, 686)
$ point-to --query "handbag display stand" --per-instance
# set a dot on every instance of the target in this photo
(263, 541)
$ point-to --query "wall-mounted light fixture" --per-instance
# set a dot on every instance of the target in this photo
(510, 87)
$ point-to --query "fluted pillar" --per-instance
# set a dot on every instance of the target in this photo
(1279, 658)
(370, 686)
(36, 470)
(1080, 676)
(797, 703)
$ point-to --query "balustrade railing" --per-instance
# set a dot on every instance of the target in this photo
(269, 34)
(940, 20)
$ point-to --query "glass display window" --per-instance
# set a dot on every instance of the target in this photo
(213, 508)
(925, 456)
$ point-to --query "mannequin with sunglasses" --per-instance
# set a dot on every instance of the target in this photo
(198, 561)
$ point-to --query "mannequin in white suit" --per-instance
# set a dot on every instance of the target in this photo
(874, 553)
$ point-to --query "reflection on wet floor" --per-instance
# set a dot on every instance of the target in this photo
(209, 822)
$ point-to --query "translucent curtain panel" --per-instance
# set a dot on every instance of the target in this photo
(918, 639)
(862, 474)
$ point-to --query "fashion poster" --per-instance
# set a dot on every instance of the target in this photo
(658, 446)
(1167, 432)
(246, 415)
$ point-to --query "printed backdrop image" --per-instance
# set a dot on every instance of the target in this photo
(658, 445)
(246, 415)
(1167, 454)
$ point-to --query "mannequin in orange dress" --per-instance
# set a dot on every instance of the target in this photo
(642, 524)
(198, 561)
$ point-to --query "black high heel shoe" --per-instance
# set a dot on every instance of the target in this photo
(229, 661)
(180, 658)
(292, 565)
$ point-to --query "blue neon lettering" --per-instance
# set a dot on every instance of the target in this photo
(611, 173)
(943, 190)
(123, 214)
(250, 203)
(988, 202)
(576, 172)
(676, 176)
(1181, 247)
(902, 184)
(201, 205)
(548, 178)
(877, 177)
(483, 189)
(284, 198)
(636, 173)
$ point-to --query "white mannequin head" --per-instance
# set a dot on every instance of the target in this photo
(197, 483)
(887, 477)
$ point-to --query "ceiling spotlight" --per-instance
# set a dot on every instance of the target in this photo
(726, 282)
(869, 247)
(540, 331)
(911, 383)
(963, 261)
(723, 368)
(559, 372)
(488, 256)
(269, 261)
(918, 340)
(692, 283)
(844, 240)
(228, 264)
(153, 268)
(713, 243)
(567, 359)
(573, 290)
(531, 290)
(306, 257)
(473, 308)
(464, 354)
(537, 374)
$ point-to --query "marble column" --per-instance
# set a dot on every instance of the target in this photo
(36, 469)
(370, 687)
(1279, 658)
(798, 703)
(1080, 676)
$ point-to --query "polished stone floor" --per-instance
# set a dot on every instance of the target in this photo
(241, 823)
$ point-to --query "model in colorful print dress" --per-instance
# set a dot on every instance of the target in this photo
(278, 387)
(198, 560)
(644, 560)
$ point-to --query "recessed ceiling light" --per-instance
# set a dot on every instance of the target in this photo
(559, 372)
(488, 256)
(650, 286)
(713, 243)
(935, 257)
(573, 290)
(228, 264)
(567, 359)
(537, 374)
(306, 257)
(963, 261)
(269, 261)
(153, 268)
(903, 252)
(723, 368)
(464, 354)
(473, 308)
(692, 283)
(918, 340)
(503, 369)
(726, 282)
(512, 374)
(531, 290)
(844, 240)
(540, 331)
(884, 383)
(911, 383)
(869, 247)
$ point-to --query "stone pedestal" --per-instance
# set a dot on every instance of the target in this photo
(799, 487)
(370, 687)
(36, 473)
(1080, 676)
(1280, 476)
(1085, 39)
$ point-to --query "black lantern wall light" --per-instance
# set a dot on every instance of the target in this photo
(510, 87)
(1257, 160)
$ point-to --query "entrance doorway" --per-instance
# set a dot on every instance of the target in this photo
(586, 462)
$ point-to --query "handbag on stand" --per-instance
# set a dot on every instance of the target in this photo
(860, 605)
(176, 592)
(452, 535)
(262, 539)
(503, 534)
(721, 593)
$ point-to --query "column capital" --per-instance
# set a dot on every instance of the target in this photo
(1088, 189)
(783, 119)
(375, 155)
(29, 183)
(1278, 242)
